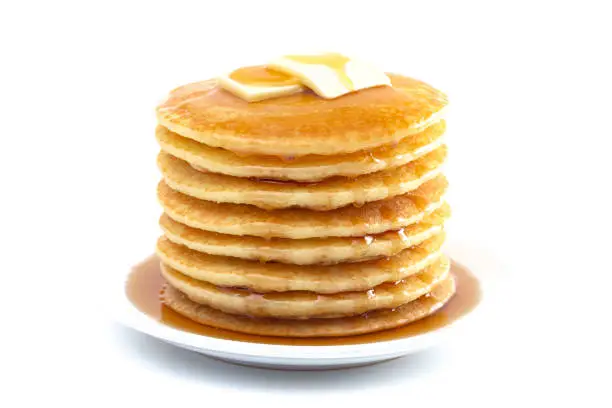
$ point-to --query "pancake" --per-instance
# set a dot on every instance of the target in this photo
(272, 276)
(323, 196)
(372, 218)
(346, 326)
(309, 168)
(302, 304)
(309, 251)
(302, 123)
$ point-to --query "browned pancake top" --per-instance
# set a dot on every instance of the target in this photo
(302, 123)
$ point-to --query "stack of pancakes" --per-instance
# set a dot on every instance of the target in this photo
(300, 216)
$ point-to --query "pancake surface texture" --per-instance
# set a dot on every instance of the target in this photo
(326, 195)
(301, 304)
(326, 250)
(309, 168)
(303, 123)
(301, 216)
(346, 326)
(371, 218)
(279, 277)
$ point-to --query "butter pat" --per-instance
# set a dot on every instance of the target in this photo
(258, 83)
(331, 75)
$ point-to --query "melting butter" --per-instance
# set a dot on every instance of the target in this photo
(336, 62)
(258, 83)
(331, 75)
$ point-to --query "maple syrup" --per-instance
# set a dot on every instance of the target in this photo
(262, 76)
(145, 285)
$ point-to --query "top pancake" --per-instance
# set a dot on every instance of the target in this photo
(303, 123)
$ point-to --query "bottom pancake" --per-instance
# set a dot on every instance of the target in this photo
(303, 304)
(347, 326)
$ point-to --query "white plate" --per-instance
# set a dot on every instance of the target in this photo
(308, 357)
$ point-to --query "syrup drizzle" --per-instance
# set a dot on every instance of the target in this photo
(262, 76)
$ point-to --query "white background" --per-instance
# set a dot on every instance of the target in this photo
(530, 90)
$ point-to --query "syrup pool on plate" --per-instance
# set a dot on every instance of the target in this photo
(145, 284)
